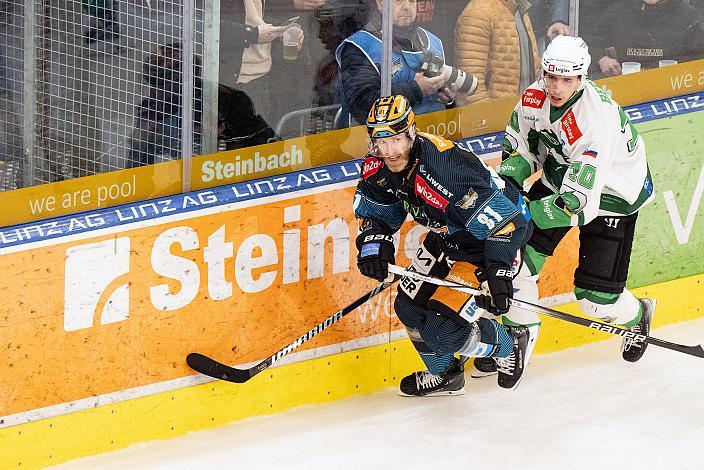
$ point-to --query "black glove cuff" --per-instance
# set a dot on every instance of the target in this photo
(371, 236)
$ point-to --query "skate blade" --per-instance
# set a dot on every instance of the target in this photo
(440, 393)
(653, 305)
(477, 374)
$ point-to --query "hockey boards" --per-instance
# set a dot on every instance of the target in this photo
(696, 350)
(209, 366)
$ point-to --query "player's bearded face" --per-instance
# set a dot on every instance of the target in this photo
(560, 89)
(395, 151)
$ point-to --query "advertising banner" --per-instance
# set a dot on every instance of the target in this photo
(103, 302)
(112, 300)
(468, 122)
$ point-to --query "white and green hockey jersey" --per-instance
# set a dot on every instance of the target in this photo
(588, 147)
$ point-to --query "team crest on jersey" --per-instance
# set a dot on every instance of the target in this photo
(371, 166)
(469, 200)
(570, 127)
(429, 195)
(533, 98)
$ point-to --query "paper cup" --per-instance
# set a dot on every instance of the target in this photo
(630, 67)
(290, 40)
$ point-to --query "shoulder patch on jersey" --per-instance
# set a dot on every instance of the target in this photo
(429, 195)
(533, 98)
(469, 200)
(570, 127)
(371, 166)
(440, 143)
(506, 230)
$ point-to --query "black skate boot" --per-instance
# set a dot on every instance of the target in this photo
(631, 349)
(483, 367)
(425, 384)
(511, 368)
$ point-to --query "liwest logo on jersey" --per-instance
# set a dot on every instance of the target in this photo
(533, 98)
(570, 127)
(433, 182)
(429, 195)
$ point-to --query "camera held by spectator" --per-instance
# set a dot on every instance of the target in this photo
(464, 82)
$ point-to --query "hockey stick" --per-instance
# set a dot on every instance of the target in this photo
(697, 350)
(211, 367)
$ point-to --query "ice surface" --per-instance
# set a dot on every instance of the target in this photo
(583, 408)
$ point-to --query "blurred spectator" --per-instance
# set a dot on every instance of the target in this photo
(294, 74)
(440, 16)
(495, 42)
(337, 19)
(591, 31)
(647, 31)
(245, 45)
(105, 26)
(157, 132)
(239, 125)
(359, 57)
(550, 18)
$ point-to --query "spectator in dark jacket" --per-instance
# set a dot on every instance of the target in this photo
(157, 132)
(550, 18)
(648, 31)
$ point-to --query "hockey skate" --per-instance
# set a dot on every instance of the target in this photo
(511, 367)
(483, 367)
(632, 350)
(425, 384)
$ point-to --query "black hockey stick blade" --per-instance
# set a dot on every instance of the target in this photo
(209, 366)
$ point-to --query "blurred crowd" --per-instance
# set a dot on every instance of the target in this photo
(446, 53)
(296, 67)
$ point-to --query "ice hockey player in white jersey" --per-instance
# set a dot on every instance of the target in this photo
(595, 177)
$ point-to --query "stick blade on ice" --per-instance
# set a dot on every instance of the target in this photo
(215, 369)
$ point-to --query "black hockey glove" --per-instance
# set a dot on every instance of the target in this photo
(499, 280)
(376, 251)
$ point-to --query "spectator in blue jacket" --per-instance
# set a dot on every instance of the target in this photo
(359, 58)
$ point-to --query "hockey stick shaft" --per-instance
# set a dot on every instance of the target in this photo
(697, 350)
(213, 368)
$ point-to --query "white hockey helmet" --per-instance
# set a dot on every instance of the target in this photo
(567, 56)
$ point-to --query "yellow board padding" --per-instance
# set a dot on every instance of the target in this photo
(677, 301)
(172, 414)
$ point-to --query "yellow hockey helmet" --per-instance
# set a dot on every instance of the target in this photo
(391, 115)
